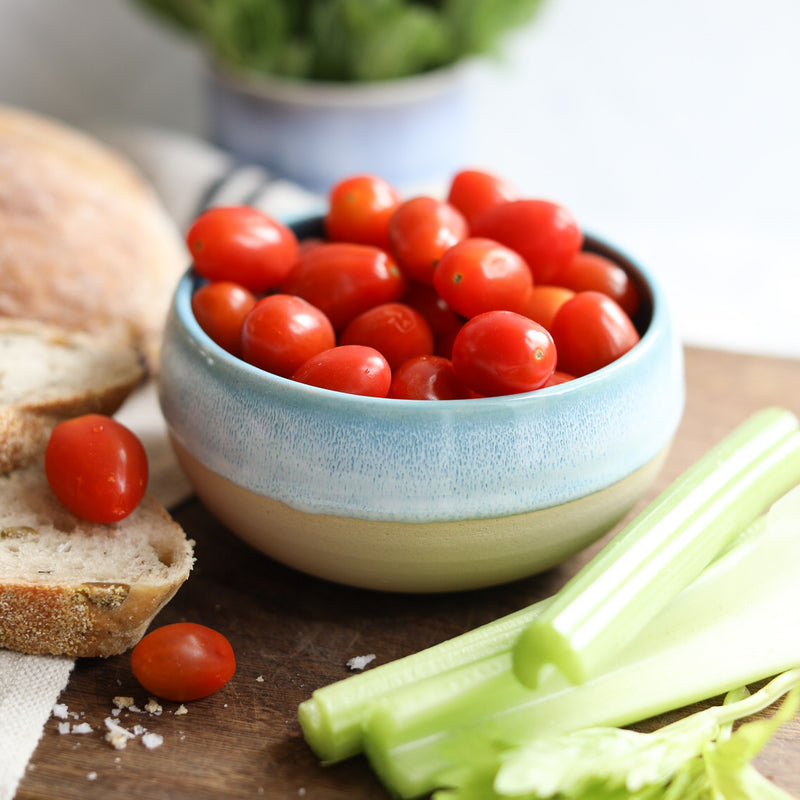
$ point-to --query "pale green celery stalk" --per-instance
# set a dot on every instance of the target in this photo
(661, 551)
(726, 629)
(331, 717)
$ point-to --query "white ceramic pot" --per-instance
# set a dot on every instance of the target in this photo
(409, 131)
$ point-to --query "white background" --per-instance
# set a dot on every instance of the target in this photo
(670, 127)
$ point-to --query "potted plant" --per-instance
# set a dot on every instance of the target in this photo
(315, 89)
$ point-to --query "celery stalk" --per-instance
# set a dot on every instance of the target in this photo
(331, 717)
(666, 547)
(726, 629)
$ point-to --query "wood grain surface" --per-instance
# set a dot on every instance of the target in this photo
(293, 633)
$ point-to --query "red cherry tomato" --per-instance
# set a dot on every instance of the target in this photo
(353, 369)
(420, 231)
(425, 299)
(558, 378)
(220, 308)
(427, 378)
(342, 280)
(474, 191)
(545, 234)
(500, 352)
(395, 330)
(591, 331)
(543, 303)
(96, 467)
(183, 661)
(282, 331)
(243, 245)
(593, 272)
(359, 208)
(478, 275)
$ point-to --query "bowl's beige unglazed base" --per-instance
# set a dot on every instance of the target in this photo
(409, 557)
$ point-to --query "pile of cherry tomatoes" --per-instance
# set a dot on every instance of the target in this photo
(484, 293)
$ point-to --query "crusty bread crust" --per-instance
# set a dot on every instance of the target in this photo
(48, 374)
(84, 241)
(69, 587)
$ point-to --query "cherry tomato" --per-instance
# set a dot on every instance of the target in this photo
(545, 234)
(425, 299)
(427, 378)
(558, 378)
(183, 661)
(220, 308)
(500, 352)
(591, 271)
(343, 279)
(96, 467)
(420, 231)
(353, 368)
(543, 303)
(395, 330)
(282, 331)
(243, 245)
(478, 275)
(474, 191)
(591, 331)
(359, 208)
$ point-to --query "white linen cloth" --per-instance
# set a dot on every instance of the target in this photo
(188, 175)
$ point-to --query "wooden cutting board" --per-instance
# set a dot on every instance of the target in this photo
(292, 633)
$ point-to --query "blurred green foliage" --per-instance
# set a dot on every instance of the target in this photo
(344, 40)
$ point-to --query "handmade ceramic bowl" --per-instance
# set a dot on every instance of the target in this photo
(421, 496)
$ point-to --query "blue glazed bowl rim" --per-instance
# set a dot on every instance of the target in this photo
(652, 329)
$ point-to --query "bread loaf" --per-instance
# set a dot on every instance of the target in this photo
(47, 374)
(69, 587)
(84, 241)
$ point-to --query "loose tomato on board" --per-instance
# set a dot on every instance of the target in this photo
(396, 330)
(545, 234)
(343, 279)
(353, 369)
(427, 378)
(183, 661)
(500, 352)
(96, 467)
(591, 331)
(474, 191)
(592, 271)
(220, 308)
(359, 209)
(420, 231)
(478, 275)
(283, 331)
(243, 245)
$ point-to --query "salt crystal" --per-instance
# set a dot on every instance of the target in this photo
(359, 662)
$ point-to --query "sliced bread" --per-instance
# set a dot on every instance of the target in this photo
(47, 374)
(69, 587)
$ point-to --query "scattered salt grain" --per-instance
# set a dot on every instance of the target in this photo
(84, 727)
(91, 776)
(360, 662)
(123, 702)
(152, 740)
(63, 727)
(60, 710)
(260, 679)
(181, 709)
